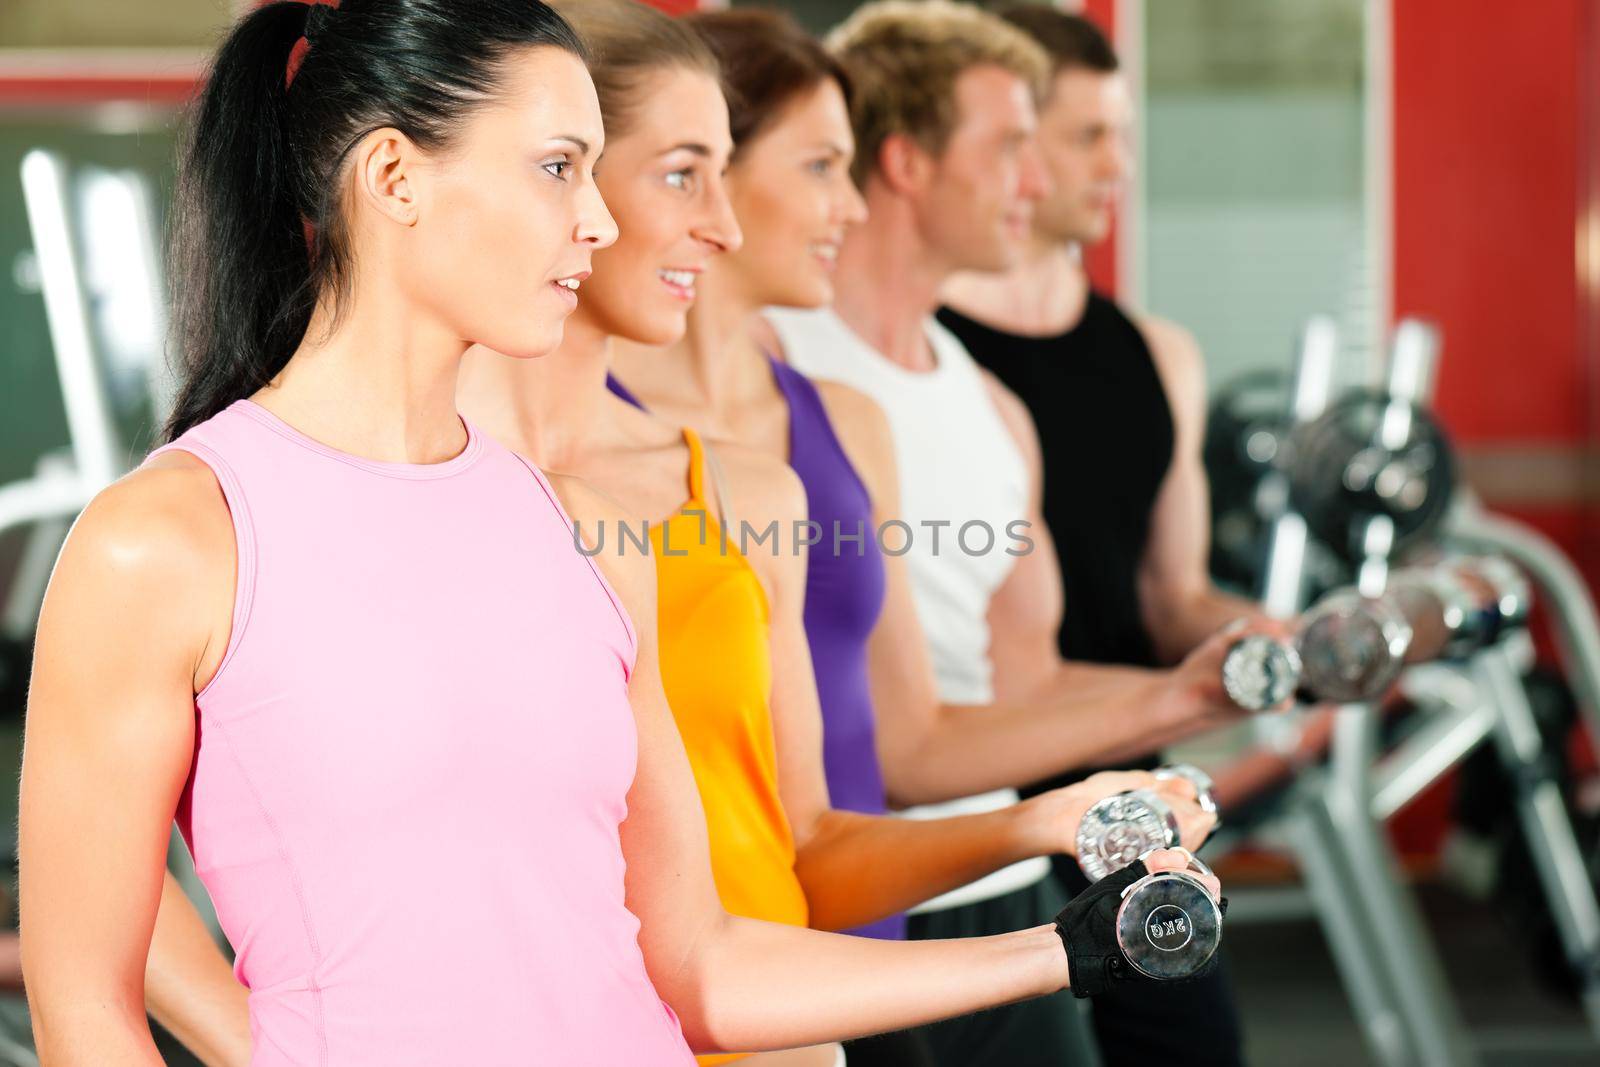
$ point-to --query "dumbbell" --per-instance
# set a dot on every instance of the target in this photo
(1352, 648)
(1119, 829)
(1347, 648)
(1167, 924)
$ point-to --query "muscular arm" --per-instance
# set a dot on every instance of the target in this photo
(1068, 715)
(1179, 604)
(134, 622)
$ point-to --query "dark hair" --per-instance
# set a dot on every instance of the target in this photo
(1073, 42)
(260, 234)
(628, 42)
(767, 61)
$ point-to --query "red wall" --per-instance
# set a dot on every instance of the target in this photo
(1486, 123)
(1102, 258)
(1493, 128)
(1494, 111)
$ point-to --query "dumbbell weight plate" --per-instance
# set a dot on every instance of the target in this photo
(1352, 647)
(1167, 925)
(1260, 672)
(1119, 829)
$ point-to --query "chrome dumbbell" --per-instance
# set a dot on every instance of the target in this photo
(1347, 648)
(1168, 925)
(1351, 647)
(1119, 829)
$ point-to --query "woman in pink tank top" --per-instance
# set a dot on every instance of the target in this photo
(414, 743)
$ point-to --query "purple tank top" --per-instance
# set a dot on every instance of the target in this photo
(844, 595)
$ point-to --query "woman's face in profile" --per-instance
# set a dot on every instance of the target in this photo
(511, 212)
(663, 180)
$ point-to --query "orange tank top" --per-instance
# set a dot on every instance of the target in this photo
(717, 670)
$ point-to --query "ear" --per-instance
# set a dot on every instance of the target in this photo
(388, 168)
(904, 166)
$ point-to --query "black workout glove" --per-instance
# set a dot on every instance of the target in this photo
(1088, 930)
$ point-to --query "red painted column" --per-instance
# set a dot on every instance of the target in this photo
(1102, 258)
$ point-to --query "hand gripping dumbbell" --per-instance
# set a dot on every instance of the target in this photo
(1167, 924)
(1346, 648)
(1352, 648)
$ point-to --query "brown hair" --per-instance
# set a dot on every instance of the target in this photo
(1072, 41)
(767, 61)
(629, 41)
(904, 58)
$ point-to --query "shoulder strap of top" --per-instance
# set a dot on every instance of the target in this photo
(697, 465)
(717, 486)
(698, 457)
(622, 392)
(797, 389)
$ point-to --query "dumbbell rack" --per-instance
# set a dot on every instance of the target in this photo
(1390, 967)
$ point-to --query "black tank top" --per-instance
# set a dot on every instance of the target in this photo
(1105, 432)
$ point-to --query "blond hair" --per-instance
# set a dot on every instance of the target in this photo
(629, 42)
(904, 57)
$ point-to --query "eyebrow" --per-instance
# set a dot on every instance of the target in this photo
(583, 146)
(689, 146)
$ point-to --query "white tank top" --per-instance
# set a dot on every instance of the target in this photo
(962, 480)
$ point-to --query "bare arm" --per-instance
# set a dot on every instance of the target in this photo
(189, 986)
(745, 985)
(1074, 714)
(135, 621)
(1179, 604)
(857, 868)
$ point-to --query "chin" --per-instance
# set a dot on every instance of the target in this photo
(528, 345)
(996, 260)
(818, 295)
(657, 330)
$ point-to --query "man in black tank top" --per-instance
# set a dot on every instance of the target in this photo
(1118, 404)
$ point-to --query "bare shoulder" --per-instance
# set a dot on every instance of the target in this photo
(855, 416)
(632, 574)
(1013, 412)
(165, 522)
(152, 555)
(1176, 354)
(760, 486)
(864, 433)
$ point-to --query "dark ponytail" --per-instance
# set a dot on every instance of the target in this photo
(259, 234)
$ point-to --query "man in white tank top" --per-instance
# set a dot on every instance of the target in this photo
(944, 114)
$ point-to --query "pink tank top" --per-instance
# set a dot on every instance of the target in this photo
(412, 763)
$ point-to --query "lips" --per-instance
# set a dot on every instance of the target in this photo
(567, 287)
(678, 281)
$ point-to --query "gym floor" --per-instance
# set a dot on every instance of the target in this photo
(1296, 1011)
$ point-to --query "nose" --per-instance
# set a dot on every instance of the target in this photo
(1034, 181)
(850, 207)
(595, 225)
(718, 227)
(1117, 159)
